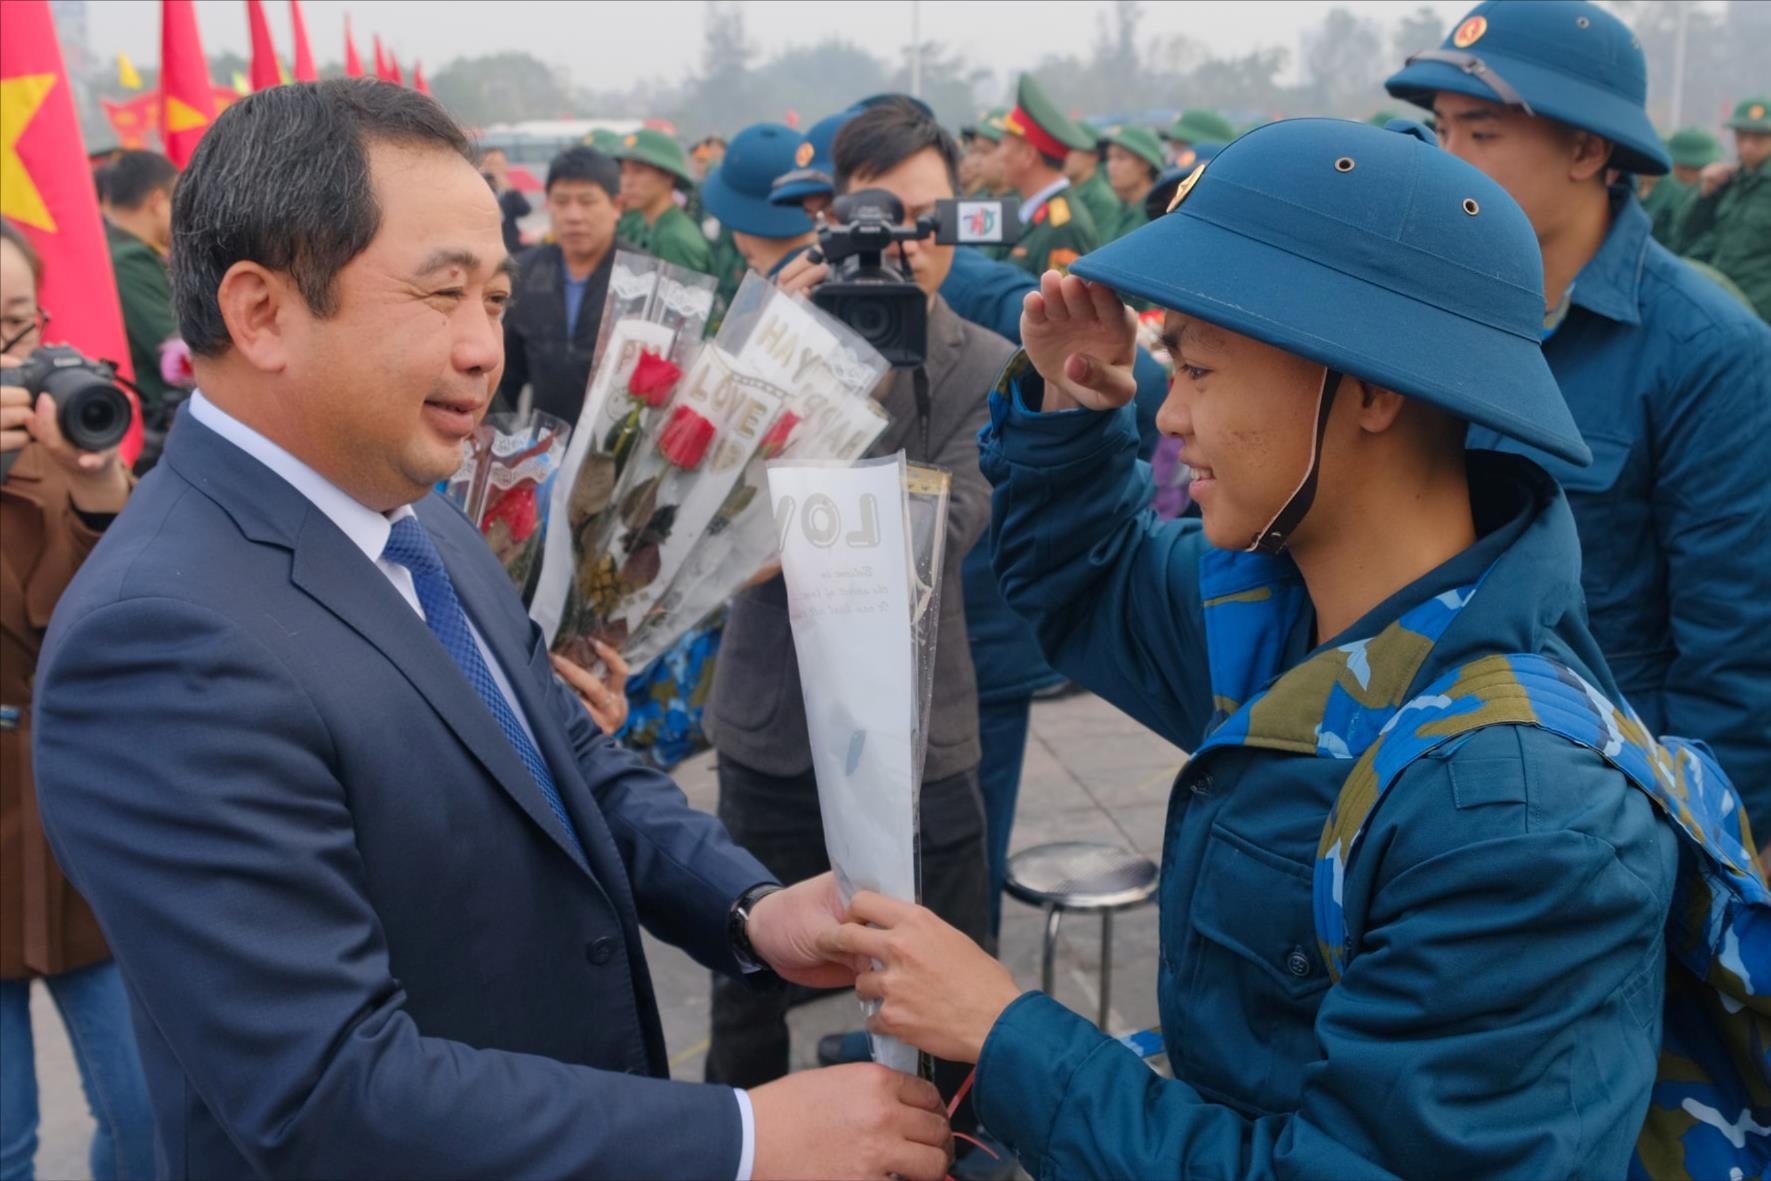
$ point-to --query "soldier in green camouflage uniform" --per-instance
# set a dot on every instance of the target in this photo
(1728, 222)
(1692, 150)
(1088, 180)
(652, 164)
(1134, 160)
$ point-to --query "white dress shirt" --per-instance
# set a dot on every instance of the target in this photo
(368, 530)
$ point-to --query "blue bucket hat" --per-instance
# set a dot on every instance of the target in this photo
(1370, 252)
(737, 192)
(1566, 60)
(813, 172)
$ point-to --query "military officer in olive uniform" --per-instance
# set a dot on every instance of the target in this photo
(984, 176)
(1089, 185)
(1727, 224)
(1134, 161)
(1692, 150)
(652, 165)
(1037, 139)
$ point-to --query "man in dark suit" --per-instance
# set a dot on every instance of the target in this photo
(374, 881)
(551, 331)
(756, 713)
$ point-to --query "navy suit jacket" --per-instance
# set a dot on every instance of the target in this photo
(356, 939)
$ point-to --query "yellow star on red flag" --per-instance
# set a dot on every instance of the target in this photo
(20, 98)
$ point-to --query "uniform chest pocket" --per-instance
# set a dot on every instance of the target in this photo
(1610, 453)
(1257, 977)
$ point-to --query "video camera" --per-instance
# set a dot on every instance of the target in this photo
(878, 299)
(92, 412)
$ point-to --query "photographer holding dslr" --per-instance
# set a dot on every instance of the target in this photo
(894, 154)
(55, 500)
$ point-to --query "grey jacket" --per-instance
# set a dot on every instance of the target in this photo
(756, 714)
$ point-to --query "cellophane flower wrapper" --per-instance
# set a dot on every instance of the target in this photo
(669, 494)
(828, 375)
(506, 484)
(653, 319)
(862, 548)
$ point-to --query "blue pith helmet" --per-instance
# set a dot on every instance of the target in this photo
(1369, 251)
(1170, 178)
(737, 192)
(813, 173)
(1566, 60)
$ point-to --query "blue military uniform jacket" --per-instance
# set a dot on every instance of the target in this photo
(1669, 379)
(1502, 1015)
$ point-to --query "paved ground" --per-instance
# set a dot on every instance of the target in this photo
(1091, 774)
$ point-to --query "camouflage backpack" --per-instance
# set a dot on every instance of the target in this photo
(1710, 1111)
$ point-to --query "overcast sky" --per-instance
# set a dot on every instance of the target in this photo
(615, 43)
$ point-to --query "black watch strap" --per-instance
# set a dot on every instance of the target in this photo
(738, 927)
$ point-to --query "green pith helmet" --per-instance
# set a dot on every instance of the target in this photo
(990, 126)
(1693, 147)
(1139, 141)
(1753, 114)
(661, 151)
(1201, 125)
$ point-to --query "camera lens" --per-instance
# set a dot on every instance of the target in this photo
(872, 319)
(93, 413)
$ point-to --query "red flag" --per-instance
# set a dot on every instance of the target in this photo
(304, 56)
(46, 190)
(265, 73)
(189, 104)
(394, 74)
(381, 70)
(353, 65)
(418, 82)
(133, 120)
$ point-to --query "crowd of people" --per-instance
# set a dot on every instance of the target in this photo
(1417, 461)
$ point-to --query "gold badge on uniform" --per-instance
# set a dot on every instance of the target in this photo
(1060, 209)
(803, 154)
(1186, 187)
(1470, 32)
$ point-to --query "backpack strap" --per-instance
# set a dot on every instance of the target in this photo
(1727, 892)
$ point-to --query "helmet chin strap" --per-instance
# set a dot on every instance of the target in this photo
(1272, 539)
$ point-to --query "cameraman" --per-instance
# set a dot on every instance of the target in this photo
(756, 714)
(54, 503)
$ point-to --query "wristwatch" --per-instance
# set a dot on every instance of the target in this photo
(738, 927)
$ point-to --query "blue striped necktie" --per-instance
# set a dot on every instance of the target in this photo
(410, 546)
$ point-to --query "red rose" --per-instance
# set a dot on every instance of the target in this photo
(775, 441)
(653, 378)
(516, 508)
(685, 438)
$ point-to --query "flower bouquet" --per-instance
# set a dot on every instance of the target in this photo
(505, 483)
(668, 483)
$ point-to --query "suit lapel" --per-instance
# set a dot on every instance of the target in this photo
(337, 574)
(476, 590)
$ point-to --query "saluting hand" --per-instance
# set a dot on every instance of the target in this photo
(1083, 340)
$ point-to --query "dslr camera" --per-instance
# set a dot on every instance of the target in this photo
(92, 412)
(877, 297)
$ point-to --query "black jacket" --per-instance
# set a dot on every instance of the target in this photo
(536, 351)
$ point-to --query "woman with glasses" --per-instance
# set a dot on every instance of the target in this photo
(55, 503)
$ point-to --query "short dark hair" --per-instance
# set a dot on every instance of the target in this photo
(13, 234)
(131, 177)
(887, 134)
(582, 163)
(281, 178)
